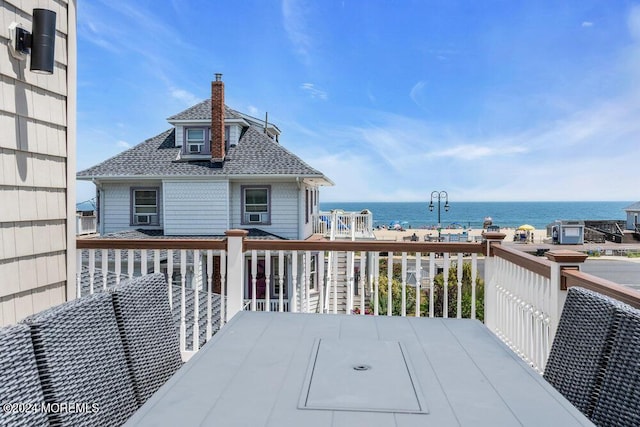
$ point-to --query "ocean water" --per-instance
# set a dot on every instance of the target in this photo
(472, 214)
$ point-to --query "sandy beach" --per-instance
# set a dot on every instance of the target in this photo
(473, 234)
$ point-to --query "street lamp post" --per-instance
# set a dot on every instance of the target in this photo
(439, 195)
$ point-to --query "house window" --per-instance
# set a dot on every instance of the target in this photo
(144, 206)
(256, 205)
(195, 139)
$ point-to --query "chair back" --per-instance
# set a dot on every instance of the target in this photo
(20, 383)
(81, 361)
(150, 338)
(579, 350)
(619, 398)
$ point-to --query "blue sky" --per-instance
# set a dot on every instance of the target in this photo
(489, 100)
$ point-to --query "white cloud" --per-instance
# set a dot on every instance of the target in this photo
(587, 24)
(474, 152)
(416, 92)
(123, 144)
(253, 110)
(184, 96)
(393, 157)
(294, 14)
(313, 91)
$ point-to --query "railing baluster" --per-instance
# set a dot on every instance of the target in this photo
(156, 261)
(170, 276)
(376, 283)
(418, 282)
(195, 286)
(92, 269)
(307, 281)
(254, 278)
(183, 283)
(267, 279)
(350, 280)
(321, 281)
(209, 332)
(281, 280)
(143, 262)
(432, 269)
(389, 284)
(445, 290)
(78, 273)
(118, 264)
(328, 288)
(131, 263)
(363, 275)
(294, 281)
(459, 277)
(104, 267)
(404, 285)
(474, 277)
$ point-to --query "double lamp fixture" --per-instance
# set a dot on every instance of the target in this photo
(40, 43)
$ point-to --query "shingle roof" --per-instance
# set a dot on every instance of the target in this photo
(255, 154)
(202, 111)
(633, 207)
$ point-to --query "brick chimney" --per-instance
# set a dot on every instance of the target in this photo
(217, 120)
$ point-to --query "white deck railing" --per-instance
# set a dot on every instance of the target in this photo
(195, 271)
(86, 224)
(338, 224)
(521, 301)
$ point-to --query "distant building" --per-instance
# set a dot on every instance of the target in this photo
(215, 169)
(633, 213)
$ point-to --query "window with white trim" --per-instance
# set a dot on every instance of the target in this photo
(144, 206)
(256, 205)
(195, 139)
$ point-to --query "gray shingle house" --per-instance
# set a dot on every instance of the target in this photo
(216, 169)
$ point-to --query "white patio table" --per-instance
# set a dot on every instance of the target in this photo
(286, 369)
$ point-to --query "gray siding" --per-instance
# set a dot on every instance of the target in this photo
(37, 193)
(285, 208)
(115, 205)
(195, 207)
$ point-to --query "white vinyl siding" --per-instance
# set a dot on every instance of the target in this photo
(284, 212)
(195, 207)
(234, 134)
(179, 135)
(306, 210)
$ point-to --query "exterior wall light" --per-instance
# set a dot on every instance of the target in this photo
(40, 43)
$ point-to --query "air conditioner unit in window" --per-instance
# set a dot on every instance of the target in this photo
(194, 148)
(255, 218)
(143, 219)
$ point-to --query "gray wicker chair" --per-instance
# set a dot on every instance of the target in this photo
(81, 361)
(580, 347)
(148, 333)
(619, 399)
(19, 380)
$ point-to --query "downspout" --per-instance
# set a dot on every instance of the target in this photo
(100, 206)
